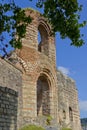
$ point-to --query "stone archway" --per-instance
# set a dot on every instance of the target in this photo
(43, 96)
(43, 39)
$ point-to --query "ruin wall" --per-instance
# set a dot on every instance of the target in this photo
(10, 96)
(68, 106)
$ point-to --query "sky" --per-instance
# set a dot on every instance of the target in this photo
(71, 60)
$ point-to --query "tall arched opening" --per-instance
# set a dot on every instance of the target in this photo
(43, 96)
(43, 36)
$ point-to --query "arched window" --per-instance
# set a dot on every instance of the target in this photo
(43, 98)
(70, 114)
(42, 39)
(39, 41)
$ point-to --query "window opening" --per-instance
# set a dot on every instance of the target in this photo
(43, 98)
(70, 114)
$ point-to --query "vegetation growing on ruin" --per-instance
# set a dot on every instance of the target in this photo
(32, 127)
(63, 15)
(66, 129)
(48, 120)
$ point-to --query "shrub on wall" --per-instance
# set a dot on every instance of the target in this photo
(66, 129)
(48, 120)
(32, 127)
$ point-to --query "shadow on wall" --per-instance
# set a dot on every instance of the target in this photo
(8, 108)
(43, 98)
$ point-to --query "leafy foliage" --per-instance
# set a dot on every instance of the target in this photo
(62, 14)
(66, 129)
(48, 120)
(64, 17)
(14, 22)
(32, 127)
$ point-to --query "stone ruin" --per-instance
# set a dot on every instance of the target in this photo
(31, 87)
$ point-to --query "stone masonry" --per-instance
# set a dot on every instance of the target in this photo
(39, 84)
(8, 108)
(68, 102)
(29, 78)
(10, 96)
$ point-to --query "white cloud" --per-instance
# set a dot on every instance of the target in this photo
(64, 70)
(83, 105)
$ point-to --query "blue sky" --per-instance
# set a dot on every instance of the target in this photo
(71, 60)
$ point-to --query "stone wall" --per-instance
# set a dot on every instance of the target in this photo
(10, 96)
(35, 66)
(68, 102)
(38, 63)
(8, 109)
(40, 25)
(31, 85)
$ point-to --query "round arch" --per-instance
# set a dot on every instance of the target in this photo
(51, 88)
(46, 26)
(44, 33)
(43, 95)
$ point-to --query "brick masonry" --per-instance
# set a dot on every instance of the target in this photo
(39, 89)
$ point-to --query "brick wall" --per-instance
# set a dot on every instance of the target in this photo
(41, 25)
(37, 63)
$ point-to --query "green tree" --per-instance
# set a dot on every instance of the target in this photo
(63, 15)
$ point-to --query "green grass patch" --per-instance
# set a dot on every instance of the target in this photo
(32, 127)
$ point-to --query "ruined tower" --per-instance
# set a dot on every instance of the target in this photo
(39, 82)
(37, 89)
